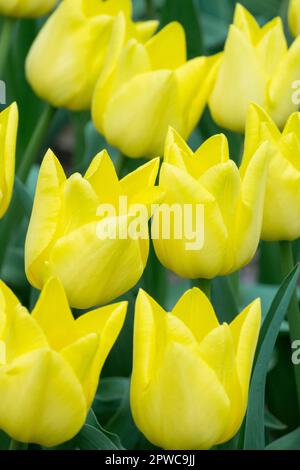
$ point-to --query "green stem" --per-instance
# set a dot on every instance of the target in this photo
(204, 285)
(80, 119)
(36, 142)
(16, 445)
(5, 40)
(293, 313)
(150, 8)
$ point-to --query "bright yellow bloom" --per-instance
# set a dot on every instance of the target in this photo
(67, 56)
(281, 219)
(232, 207)
(146, 88)
(190, 378)
(50, 364)
(294, 17)
(71, 233)
(8, 136)
(26, 8)
(257, 67)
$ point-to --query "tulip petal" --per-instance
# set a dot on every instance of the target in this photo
(107, 322)
(213, 151)
(294, 17)
(177, 152)
(143, 177)
(52, 313)
(103, 178)
(245, 330)
(197, 313)
(191, 262)
(145, 29)
(111, 265)
(139, 102)
(272, 47)
(39, 390)
(43, 224)
(167, 49)
(280, 103)
(182, 378)
(246, 23)
(8, 136)
(240, 75)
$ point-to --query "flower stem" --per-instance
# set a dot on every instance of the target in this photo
(293, 313)
(5, 40)
(204, 285)
(36, 142)
(16, 445)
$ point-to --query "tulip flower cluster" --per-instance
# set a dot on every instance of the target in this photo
(191, 370)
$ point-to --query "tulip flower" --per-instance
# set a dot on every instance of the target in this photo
(190, 378)
(294, 17)
(281, 220)
(232, 208)
(72, 234)
(257, 67)
(50, 364)
(8, 137)
(27, 8)
(146, 88)
(72, 46)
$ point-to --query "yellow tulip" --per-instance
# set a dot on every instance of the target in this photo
(257, 67)
(26, 8)
(190, 378)
(294, 17)
(232, 208)
(50, 364)
(8, 137)
(281, 220)
(67, 56)
(70, 237)
(144, 89)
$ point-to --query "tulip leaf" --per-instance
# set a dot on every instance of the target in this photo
(254, 436)
(272, 422)
(91, 438)
(290, 441)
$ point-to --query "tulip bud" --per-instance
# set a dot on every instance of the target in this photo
(294, 17)
(281, 219)
(257, 67)
(232, 208)
(8, 137)
(77, 228)
(151, 86)
(190, 378)
(50, 364)
(26, 8)
(72, 46)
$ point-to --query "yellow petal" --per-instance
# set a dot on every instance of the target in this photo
(41, 399)
(143, 177)
(249, 216)
(145, 29)
(272, 47)
(54, 316)
(183, 378)
(240, 81)
(177, 152)
(81, 355)
(29, 9)
(246, 23)
(107, 322)
(111, 265)
(197, 313)
(294, 17)
(213, 151)
(44, 218)
(8, 135)
(103, 178)
(280, 104)
(167, 49)
(245, 329)
(206, 260)
(148, 102)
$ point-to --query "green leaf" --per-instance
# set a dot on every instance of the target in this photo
(254, 437)
(93, 421)
(272, 422)
(290, 441)
(91, 438)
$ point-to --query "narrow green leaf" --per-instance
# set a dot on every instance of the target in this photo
(255, 422)
(24, 197)
(272, 422)
(290, 441)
